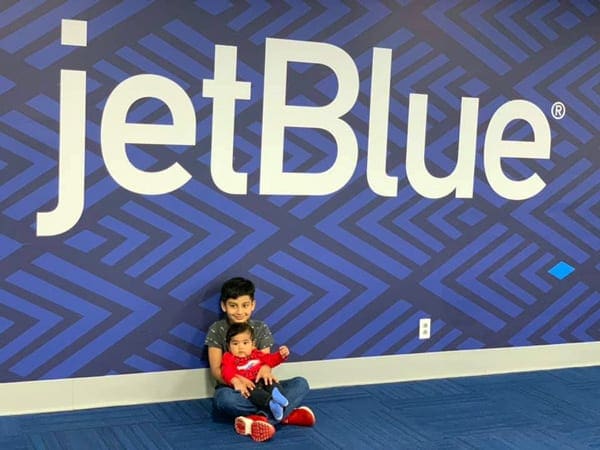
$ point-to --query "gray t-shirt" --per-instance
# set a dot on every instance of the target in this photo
(217, 334)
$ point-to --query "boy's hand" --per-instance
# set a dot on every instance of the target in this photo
(284, 351)
(264, 373)
(243, 385)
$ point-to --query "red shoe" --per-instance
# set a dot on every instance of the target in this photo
(256, 426)
(302, 416)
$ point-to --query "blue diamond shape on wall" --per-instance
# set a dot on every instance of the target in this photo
(561, 270)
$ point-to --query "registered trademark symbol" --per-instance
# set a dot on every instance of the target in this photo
(558, 110)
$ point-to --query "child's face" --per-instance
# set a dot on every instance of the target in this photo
(241, 345)
(239, 309)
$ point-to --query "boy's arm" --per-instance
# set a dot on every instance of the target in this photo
(215, 358)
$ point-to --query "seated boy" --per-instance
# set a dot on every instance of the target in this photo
(238, 303)
(244, 359)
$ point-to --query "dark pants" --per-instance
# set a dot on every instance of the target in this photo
(228, 403)
(262, 393)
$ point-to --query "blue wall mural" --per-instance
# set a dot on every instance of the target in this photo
(290, 138)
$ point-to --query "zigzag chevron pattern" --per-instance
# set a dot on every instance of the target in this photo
(134, 285)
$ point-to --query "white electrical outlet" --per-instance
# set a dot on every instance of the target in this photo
(425, 328)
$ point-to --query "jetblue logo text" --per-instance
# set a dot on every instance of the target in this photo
(225, 90)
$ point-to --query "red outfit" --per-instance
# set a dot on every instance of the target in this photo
(249, 366)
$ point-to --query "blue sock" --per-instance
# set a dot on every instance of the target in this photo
(276, 410)
(279, 397)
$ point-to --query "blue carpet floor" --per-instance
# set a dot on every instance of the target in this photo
(557, 409)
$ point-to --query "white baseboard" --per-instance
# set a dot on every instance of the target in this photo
(114, 390)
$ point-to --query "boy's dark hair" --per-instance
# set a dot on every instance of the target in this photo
(238, 328)
(237, 287)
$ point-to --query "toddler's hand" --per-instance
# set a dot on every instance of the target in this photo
(284, 351)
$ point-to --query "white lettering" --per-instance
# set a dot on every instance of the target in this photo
(461, 179)
(71, 157)
(496, 148)
(225, 90)
(277, 116)
(116, 133)
(379, 181)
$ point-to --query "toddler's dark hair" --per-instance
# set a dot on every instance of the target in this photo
(238, 328)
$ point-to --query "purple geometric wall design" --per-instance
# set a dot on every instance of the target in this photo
(133, 286)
